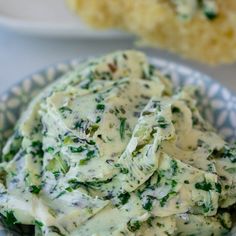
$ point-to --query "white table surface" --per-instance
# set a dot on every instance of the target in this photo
(21, 55)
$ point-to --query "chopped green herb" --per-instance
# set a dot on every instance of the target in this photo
(35, 189)
(63, 165)
(122, 127)
(86, 85)
(148, 204)
(203, 186)
(195, 121)
(138, 149)
(174, 167)
(80, 124)
(10, 218)
(149, 220)
(173, 183)
(227, 187)
(206, 207)
(210, 167)
(146, 113)
(90, 154)
(38, 223)
(92, 129)
(67, 140)
(100, 107)
(76, 149)
(83, 161)
(54, 229)
(162, 122)
(210, 15)
(60, 194)
(133, 225)
(123, 170)
(91, 142)
(74, 184)
(98, 119)
(37, 144)
(164, 199)
(69, 189)
(175, 110)
(124, 198)
(65, 109)
(56, 174)
(50, 150)
(37, 148)
(218, 187)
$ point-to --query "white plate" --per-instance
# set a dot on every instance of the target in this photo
(47, 18)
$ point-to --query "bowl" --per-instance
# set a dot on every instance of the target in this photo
(216, 103)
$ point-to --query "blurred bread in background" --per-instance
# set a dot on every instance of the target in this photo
(204, 30)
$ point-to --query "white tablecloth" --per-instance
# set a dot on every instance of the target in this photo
(21, 55)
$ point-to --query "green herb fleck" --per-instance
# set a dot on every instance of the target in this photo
(76, 149)
(10, 218)
(148, 204)
(90, 154)
(38, 223)
(210, 15)
(149, 220)
(60, 194)
(124, 198)
(123, 170)
(206, 207)
(164, 199)
(203, 186)
(80, 124)
(65, 109)
(162, 122)
(173, 183)
(37, 148)
(64, 166)
(92, 129)
(98, 119)
(210, 167)
(50, 150)
(218, 187)
(175, 110)
(174, 167)
(227, 187)
(69, 189)
(35, 189)
(122, 127)
(133, 225)
(56, 174)
(100, 107)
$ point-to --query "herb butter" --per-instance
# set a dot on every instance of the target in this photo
(111, 149)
